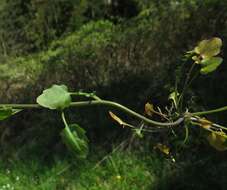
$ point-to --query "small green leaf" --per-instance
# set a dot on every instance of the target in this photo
(138, 133)
(56, 97)
(7, 112)
(173, 96)
(212, 60)
(210, 65)
(76, 140)
(209, 48)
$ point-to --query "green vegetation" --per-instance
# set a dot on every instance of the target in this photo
(119, 171)
(130, 52)
(57, 97)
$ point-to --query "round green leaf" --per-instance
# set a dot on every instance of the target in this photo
(7, 112)
(210, 65)
(209, 48)
(56, 97)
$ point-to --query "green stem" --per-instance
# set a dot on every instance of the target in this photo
(209, 111)
(105, 103)
(186, 134)
(185, 87)
(21, 106)
(63, 119)
(88, 95)
(193, 78)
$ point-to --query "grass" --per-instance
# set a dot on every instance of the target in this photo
(123, 171)
(195, 168)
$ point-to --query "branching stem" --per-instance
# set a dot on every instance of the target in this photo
(104, 103)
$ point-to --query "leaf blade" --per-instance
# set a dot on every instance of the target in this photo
(210, 65)
(8, 112)
(75, 139)
(209, 48)
(217, 140)
(119, 120)
(149, 109)
(55, 97)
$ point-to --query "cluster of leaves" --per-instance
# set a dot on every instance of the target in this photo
(206, 52)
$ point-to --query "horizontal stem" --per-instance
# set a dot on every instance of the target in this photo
(105, 103)
(88, 95)
(209, 111)
(21, 106)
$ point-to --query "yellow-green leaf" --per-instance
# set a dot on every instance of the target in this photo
(163, 148)
(149, 108)
(210, 65)
(173, 96)
(209, 48)
(212, 60)
(118, 120)
(217, 140)
(204, 121)
(206, 126)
